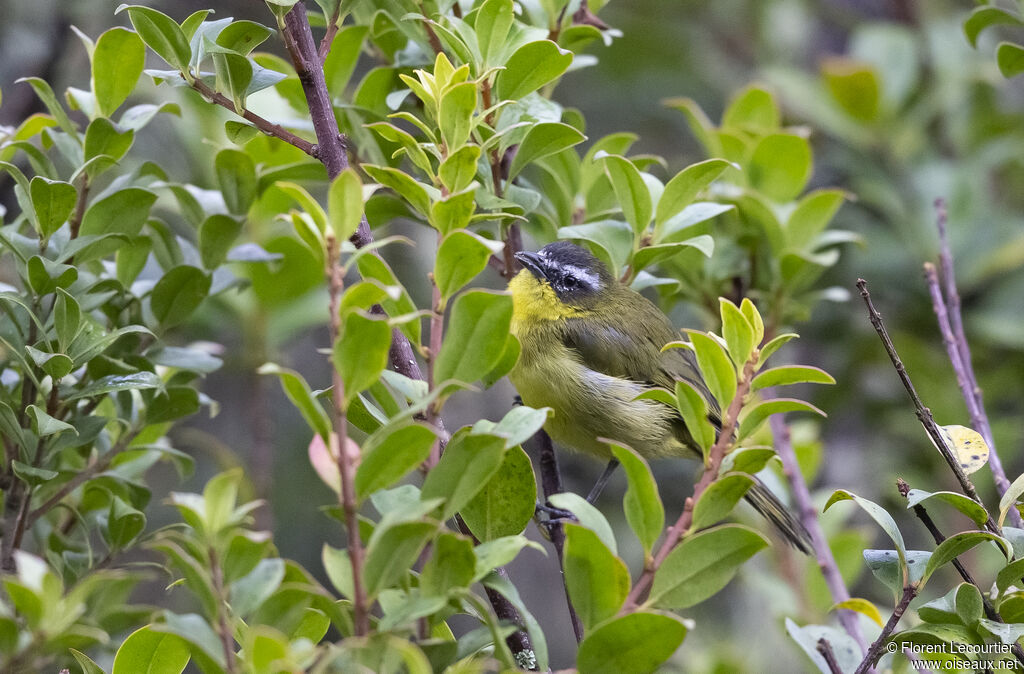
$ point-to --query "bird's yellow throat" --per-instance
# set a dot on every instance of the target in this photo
(535, 300)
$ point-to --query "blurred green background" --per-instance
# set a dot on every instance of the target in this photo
(945, 125)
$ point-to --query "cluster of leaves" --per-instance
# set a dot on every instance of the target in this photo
(1009, 55)
(459, 127)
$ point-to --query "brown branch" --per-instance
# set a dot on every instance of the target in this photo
(875, 651)
(436, 338)
(938, 537)
(332, 31)
(298, 38)
(808, 515)
(264, 125)
(551, 483)
(432, 38)
(825, 648)
(947, 311)
(715, 456)
(924, 415)
(346, 469)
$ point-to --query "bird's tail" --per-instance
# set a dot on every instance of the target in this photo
(784, 520)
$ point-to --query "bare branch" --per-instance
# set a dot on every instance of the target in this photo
(875, 651)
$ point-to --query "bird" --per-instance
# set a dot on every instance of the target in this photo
(589, 346)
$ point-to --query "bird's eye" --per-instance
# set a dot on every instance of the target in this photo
(569, 282)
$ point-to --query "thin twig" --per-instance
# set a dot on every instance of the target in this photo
(332, 30)
(436, 339)
(809, 517)
(346, 469)
(825, 648)
(959, 350)
(224, 631)
(81, 197)
(924, 415)
(264, 125)
(715, 456)
(84, 475)
(929, 524)
(551, 483)
(432, 38)
(875, 651)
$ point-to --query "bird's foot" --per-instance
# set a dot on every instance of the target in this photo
(554, 516)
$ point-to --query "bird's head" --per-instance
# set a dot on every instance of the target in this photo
(559, 280)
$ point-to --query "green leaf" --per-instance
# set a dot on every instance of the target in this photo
(467, 464)
(477, 329)
(102, 138)
(630, 190)
(597, 580)
(86, 663)
(456, 113)
(345, 204)
(531, 66)
(985, 16)
(719, 499)
(1010, 575)
(46, 95)
(67, 317)
(773, 345)
(644, 511)
(847, 652)
(31, 475)
(124, 523)
(361, 352)
(1011, 496)
(451, 567)
(250, 591)
(460, 257)
(780, 166)
(752, 110)
(505, 506)
(459, 168)
(243, 36)
(757, 414)
(517, 426)
(175, 403)
(117, 63)
(123, 212)
(338, 566)
(542, 140)
(453, 211)
(587, 515)
(45, 276)
(493, 21)
(43, 424)
(236, 177)
(855, 86)
(685, 186)
(879, 514)
(791, 374)
(703, 564)
(161, 34)
(194, 629)
(298, 392)
(636, 642)
(406, 187)
(216, 235)
(969, 605)
(956, 545)
(389, 454)
(153, 652)
(718, 372)
(887, 567)
(391, 553)
(178, 294)
(1008, 634)
(614, 237)
(738, 333)
(862, 606)
(52, 201)
(967, 506)
(811, 216)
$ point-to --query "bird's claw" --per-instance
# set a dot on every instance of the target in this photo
(555, 516)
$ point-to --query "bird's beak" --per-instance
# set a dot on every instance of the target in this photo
(531, 261)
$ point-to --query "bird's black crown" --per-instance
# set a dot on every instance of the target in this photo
(573, 272)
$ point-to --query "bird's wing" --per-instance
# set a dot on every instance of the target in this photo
(636, 355)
